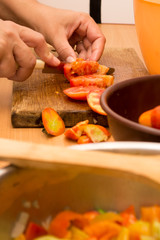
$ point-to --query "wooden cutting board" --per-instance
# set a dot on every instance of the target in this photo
(43, 90)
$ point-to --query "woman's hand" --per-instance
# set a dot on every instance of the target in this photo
(67, 30)
(17, 60)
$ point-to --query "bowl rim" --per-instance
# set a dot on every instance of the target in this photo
(122, 120)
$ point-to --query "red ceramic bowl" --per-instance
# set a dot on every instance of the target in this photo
(125, 101)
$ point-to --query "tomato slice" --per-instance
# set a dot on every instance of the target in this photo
(80, 67)
(79, 93)
(102, 69)
(96, 133)
(101, 81)
(84, 139)
(52, 122)
(75, 132)
(93, 99)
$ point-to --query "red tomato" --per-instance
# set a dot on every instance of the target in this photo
(93, 99)
(84, 139)
(128, 216)
(80, 67)
(96, 133)
(52, 122)
(33, 231)
(101, 81)
(67, 70)
(78, 93)
(155, 117)
(102, 69)
(76, 131)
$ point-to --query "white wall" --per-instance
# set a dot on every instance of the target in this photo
(113, 11)
(82, 5)
(117, 11)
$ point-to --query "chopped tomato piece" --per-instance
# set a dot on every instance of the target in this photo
(155, 117)
(102, 69)
(34, 230)
(78, 93)
(96, 133)
(83, 67)
(80, 67)
(76, 131)
(128, 216)
(84, 139)
(60, 224)
(52, 122)
(101, 81)
(93, 99)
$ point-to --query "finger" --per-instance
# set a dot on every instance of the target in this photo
(37, 41)
(97, 49)
(25, 60)
(92, 32)
(63, 48)
(8, 66)
(81, 50)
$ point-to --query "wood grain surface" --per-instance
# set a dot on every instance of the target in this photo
(43, 90)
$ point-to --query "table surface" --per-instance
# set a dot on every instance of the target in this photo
(117, 35)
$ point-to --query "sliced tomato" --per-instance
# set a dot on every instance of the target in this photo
(61, 67)
(101, 81)
(80, 67)
(84, 139)
(128, 216)
(93, 99)
(76, 131)
(52, 122)
(96, 133)
(79, 93)
(34, 230)
(68, 70)
(102, 69)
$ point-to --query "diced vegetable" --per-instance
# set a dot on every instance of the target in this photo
(52, 122)
(96, 133)
(34, 231)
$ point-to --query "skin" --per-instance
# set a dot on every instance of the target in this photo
(63, 29)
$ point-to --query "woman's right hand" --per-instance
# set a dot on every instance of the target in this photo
(17, 60)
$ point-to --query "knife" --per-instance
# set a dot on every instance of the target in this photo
(55, 70)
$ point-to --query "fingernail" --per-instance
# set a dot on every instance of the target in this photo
(70, 59)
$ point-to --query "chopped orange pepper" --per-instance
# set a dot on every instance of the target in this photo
(150, 214)
(60, 224)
